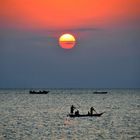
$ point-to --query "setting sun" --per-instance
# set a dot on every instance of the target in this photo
(67, 41)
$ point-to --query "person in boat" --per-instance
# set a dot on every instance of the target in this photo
(77, 112)
(91, 110)
(72, 109)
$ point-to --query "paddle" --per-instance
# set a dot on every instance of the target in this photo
(95, 111)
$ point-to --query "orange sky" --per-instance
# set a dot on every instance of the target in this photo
(67, 14)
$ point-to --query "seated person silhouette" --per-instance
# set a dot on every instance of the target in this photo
(77, 112)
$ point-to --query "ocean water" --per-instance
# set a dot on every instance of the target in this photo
(24, 116)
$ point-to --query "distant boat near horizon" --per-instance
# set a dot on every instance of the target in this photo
(100, 92)
(38, 92)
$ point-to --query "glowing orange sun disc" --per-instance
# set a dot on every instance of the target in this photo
(67, 41)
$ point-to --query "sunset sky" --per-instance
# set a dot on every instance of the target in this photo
(106, 54)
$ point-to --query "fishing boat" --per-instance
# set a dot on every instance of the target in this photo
(85, 115)
(38, 92)
(100, 92)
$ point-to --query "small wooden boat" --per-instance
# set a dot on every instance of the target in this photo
(86, 115)
(100, 92)
(38, 92)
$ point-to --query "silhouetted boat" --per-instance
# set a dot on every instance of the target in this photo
(86, 115)
(38, 92)
(100, 92)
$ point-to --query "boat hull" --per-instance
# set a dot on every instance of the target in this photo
(86, 115)
(100, 92)
(38, 92)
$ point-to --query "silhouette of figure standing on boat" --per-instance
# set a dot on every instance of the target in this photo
(72, 109)
(91, 111)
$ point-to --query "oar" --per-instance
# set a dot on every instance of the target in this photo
(95, 110)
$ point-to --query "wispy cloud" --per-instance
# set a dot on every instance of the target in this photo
(81, 29)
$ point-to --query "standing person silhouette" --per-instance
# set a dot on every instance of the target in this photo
(72, 109)
(91, 110)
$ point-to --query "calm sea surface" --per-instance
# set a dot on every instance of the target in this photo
(24, 116)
